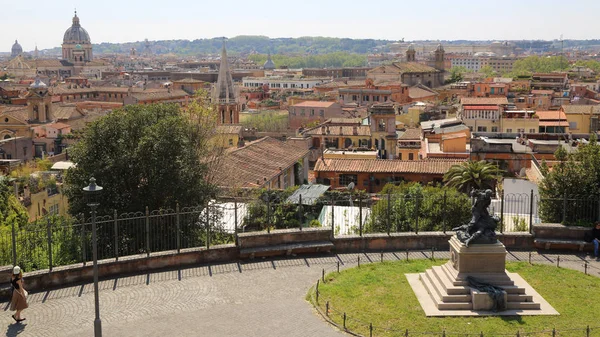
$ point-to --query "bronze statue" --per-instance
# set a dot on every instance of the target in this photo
(481, 228)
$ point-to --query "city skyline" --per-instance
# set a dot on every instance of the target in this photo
(119, 22)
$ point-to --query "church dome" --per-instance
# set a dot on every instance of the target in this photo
(269, 65)
(38, 84)
(16, 49)
(76, 33)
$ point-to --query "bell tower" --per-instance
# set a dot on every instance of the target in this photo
(410, 53)
(439, 57)
(225, 96)
(382, 117)
(39, 102)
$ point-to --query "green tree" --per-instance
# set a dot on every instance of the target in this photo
(456, 74)
(12, 213)
(536, 64)
(153, 155)
(415, 207)
(572, 185)
(472, 175)
(487, 71)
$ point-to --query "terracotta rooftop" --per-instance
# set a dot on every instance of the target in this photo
(414, 67)
(59, 126)
(229, 129)
(314, 104)
(411, 134)
(542, 92)
(19, 113)
(439, 166)
(248, 166)
(581, 109)
(419, 92)
(141, 96)
(551, 115)
(483, 100)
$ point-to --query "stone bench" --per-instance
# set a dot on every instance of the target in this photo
(284, 242)
(579, 245)
(557, 236)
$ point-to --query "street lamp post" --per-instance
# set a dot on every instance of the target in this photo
(92, 192)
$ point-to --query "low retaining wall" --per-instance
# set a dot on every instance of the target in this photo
(559, 231)
(424, 240)
(78, 273)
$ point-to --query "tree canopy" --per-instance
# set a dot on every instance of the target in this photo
(150, 155)
(472, 175)
(536, 64)
(575, 181)
(337, 59)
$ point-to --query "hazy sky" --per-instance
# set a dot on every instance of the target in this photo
(44, 22)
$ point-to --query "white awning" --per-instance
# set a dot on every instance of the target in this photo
(62, 165)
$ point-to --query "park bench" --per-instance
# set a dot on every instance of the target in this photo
(560, 237)
(284, 242)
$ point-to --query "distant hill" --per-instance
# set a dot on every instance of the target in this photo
(246, 45)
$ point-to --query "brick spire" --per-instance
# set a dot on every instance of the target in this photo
(224, 90)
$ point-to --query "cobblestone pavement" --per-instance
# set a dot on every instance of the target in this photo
(262, 298)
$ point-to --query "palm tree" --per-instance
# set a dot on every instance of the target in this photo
(472, 175)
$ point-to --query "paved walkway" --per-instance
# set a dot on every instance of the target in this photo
(263, 298)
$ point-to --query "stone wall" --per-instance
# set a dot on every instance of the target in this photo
(136, 264)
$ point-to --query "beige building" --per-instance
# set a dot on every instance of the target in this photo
(582, 119)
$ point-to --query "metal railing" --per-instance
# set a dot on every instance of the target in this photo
(55, 241)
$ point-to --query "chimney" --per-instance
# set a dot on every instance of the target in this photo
(355, 130)
(328, 132)
(323, 129)
(341, 130)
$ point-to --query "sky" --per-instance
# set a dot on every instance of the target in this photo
(44, 22)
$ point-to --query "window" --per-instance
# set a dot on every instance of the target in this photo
(411, 156)
(494, 129)
(312, 112)
(354, 98)
(400, 156)
(531, 130)
(302, 113)
(322, 113)
(509, 130)
(293, 112)
(346, 179)
(366, 98)
(482, 129)
(230, 142)
(376, 98)
(573, 125)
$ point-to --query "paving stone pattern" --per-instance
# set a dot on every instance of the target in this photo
(256, 298)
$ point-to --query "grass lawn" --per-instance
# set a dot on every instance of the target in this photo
(379, 293)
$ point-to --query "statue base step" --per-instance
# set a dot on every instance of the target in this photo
(445, 291)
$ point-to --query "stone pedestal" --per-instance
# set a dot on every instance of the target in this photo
(448, 292)
(480, 259)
